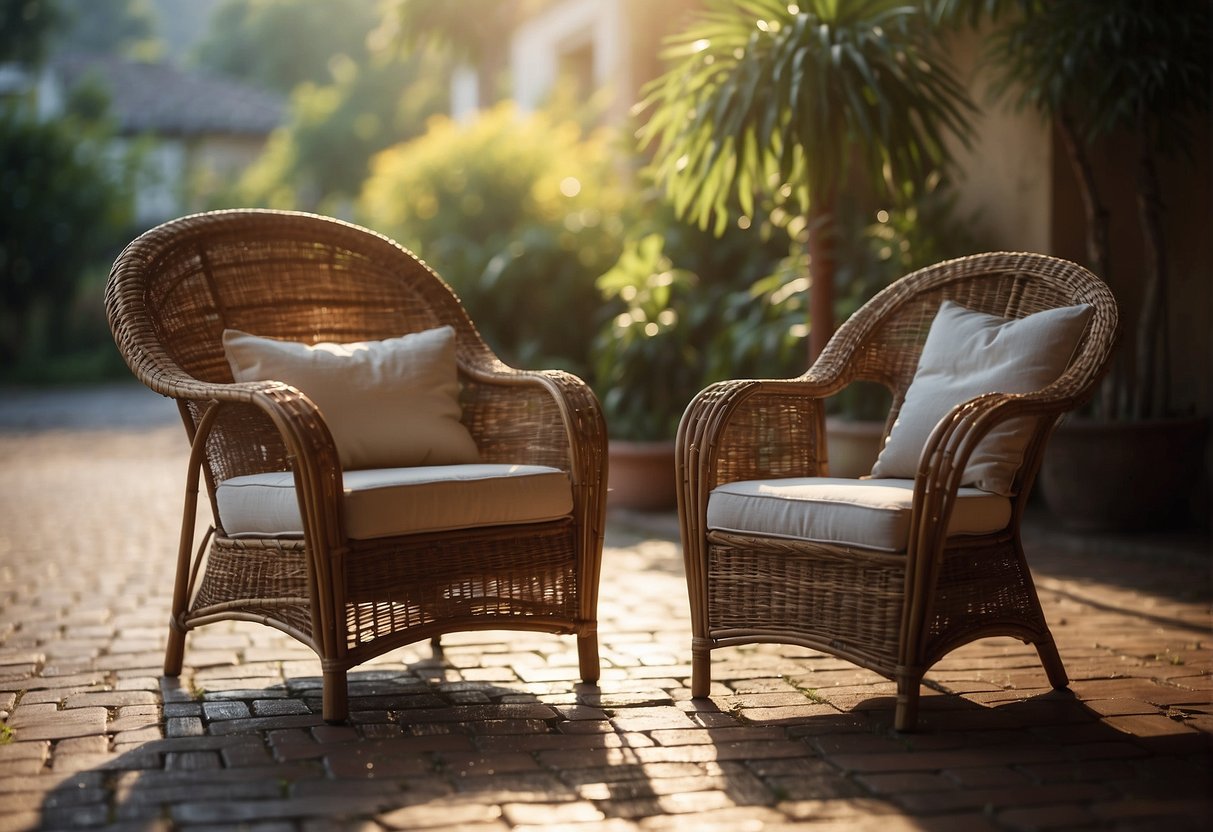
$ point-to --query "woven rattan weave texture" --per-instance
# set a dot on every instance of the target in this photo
(296, 276)
(898, 614)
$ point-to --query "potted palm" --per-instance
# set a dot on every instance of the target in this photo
(783, 107)
(1137, 74)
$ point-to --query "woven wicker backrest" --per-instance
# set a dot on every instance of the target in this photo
(278, 274)
(883, 340)
(288, 275)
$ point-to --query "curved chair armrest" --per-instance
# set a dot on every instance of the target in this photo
(941, 471)
(541, 417)
(547, 417)
(309, 444)
(753, 429)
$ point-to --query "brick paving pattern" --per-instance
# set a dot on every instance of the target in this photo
(495, 733)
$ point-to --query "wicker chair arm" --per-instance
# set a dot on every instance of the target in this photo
(540, 417)
(941, 470)
(754, 429)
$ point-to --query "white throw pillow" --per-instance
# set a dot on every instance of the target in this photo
(388, 404)
(970, 353)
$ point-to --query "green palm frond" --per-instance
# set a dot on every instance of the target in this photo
(1112, 64)
(771, 97)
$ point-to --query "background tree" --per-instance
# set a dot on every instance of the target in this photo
(520, 213)
(320, 158)
(1096, 70)
(476, 35)
(280, 44)
(61, 211)
(25, 26)
(111, 27)
(64, 206)
(792, 104)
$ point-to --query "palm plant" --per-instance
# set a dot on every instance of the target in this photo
(790, 104)
(1113, 67)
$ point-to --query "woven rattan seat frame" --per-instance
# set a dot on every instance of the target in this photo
(895, 614)
(297, 276)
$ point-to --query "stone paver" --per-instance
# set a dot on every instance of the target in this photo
(496, 733)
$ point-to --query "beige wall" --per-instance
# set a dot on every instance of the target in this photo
(1004, 178)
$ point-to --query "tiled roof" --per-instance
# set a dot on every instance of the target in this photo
(165, 100)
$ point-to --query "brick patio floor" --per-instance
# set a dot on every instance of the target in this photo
(496, 734)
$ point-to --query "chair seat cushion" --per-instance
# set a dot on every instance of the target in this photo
(871, 514)
(386, 502)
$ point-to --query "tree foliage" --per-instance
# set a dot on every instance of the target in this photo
(280, 44)
(61, 210)
(111, 27)
(1117, 67)
(770, 105)
(321, 156)
(25, 26)
(520, 214)
(766, 99)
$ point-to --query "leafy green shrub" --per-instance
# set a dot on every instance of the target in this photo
(688, 308)
(62, 211)
(519, 213)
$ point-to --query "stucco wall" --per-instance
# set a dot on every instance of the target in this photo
(1003, 177)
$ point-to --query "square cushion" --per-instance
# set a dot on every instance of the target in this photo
(388, 404)
(967, 354)
(870, 514)
(395, 501)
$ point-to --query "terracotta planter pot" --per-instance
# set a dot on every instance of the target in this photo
(641, 475)
(853, 446)
(1126, 476)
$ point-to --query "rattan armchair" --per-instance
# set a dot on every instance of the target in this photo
(306, 278)
(893, 610)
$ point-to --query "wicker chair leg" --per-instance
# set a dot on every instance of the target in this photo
(1049, 657)
(174, 653)
(701, 671)
(908, 690)
(587, 657)
(336, 706)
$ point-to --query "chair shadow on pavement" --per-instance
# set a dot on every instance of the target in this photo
(423, 752)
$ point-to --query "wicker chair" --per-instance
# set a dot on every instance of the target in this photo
(306, 278)
(894, 612)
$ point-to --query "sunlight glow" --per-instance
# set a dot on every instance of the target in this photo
(793, 8)
(570, 186)
(700, 45)
(795, 287)
(667, 317)
(651, 329)
(882, 215)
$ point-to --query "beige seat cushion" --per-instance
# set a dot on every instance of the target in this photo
(394, 501)
(967, 354)
(872, 514)
(387, 403)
